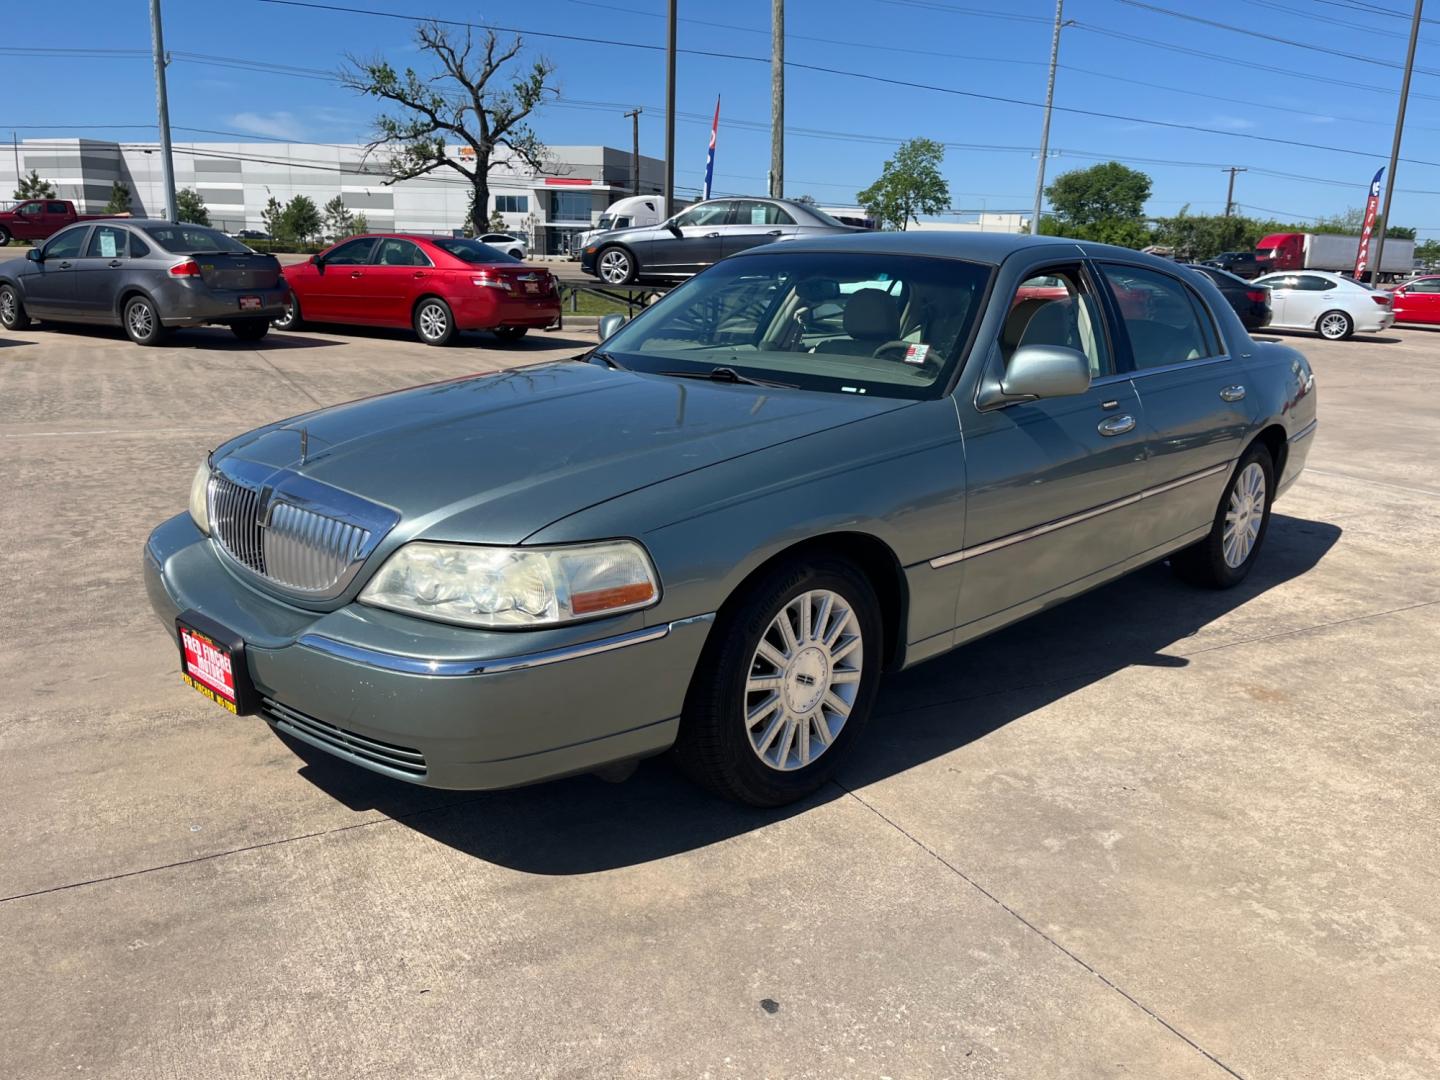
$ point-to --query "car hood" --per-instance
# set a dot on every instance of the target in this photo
(496, 457)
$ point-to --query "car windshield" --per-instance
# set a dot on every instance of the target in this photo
(844, 322)
(472, 251)
(194, 240)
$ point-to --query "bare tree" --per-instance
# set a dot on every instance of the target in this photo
(457, 103)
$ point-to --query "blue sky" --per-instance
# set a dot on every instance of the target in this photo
(842, 127)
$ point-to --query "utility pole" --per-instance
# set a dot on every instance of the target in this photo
(1395, 145)
(1230, 192)
(777, 99)
(15, 142)
(162, 101)
(1045, 127)
(670, 116)
(634, 115)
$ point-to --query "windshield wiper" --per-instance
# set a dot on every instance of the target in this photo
(604, 357)
(727, 375)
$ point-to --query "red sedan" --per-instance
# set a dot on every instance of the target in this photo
(1418, 300)
(438, 285)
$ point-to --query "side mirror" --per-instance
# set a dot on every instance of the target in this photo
(609, 324)
(674, 227)
(1046, 371)
(34, 255)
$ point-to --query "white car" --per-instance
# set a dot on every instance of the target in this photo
(511, 245)
(1333, 306)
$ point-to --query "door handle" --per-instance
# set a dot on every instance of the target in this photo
(113, 263)
(355, 274)
(776, 232)
(711, 235)
(419, 273)
(64, 266)
(1233, 393)
(1117, 425)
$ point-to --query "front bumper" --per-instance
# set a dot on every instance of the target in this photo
(518, 716)
(185, 303)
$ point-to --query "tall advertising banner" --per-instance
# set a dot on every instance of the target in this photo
(1372, 207)
(710, 157)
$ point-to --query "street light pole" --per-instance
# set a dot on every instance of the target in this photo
(162, 101)
(1045, 127)
(634, 115)
(777, 99)
(1230, 192)
(1395, 145)
(670, 115)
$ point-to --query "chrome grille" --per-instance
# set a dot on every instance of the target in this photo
(306, 550)
(378, 755)
(256, 518)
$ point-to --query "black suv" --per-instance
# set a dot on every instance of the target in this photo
(1245, 264)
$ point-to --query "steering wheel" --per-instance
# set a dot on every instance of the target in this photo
(902, 347)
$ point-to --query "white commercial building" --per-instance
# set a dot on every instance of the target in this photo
(236, 181)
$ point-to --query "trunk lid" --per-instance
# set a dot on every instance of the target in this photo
(223, 270)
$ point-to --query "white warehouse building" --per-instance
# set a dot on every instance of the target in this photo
(236, 180)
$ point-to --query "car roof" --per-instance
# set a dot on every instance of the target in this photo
(993, 248)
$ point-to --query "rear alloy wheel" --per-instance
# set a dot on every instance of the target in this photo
(510, 333)
(434, 323)
(1335, 326)
(12, 311)
(290, 318)
(516, 253)
(1241, 521)
(785, 683)
(4, 236)
(615, 266)
(142, 322)
(250, 329)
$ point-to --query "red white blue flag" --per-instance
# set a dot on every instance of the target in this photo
(1372, 207)
(710, 157)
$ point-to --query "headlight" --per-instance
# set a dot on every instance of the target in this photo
(514, 587)
(200, 498)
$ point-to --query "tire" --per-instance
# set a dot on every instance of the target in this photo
(4, 236)
(291, 319)
(615, 265)
(434, 322)
(763, 762)
(12, 309)
(1213, 562)
(1335, 326)
(142, 321)
(250, 329)
(516, 253)
(510, 333)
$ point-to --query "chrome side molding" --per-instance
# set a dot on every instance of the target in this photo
(418, 665)
(953, 557)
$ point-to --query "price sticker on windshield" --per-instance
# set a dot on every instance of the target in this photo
(916, 354)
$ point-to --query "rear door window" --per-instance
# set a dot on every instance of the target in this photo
(1164, 319)
(392, 252)
(107, 242)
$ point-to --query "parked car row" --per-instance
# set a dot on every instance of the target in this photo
(150, 277)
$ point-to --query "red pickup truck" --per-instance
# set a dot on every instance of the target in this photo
(39, 218)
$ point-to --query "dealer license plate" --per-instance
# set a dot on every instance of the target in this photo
(212, 663)
(249, 303)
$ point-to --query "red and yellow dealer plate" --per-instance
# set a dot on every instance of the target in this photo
(208, 667)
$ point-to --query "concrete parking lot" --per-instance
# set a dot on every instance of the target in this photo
(1154, 833)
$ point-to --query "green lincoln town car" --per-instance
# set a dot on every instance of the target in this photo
(814, 462)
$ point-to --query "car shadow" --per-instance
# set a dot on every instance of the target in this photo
(534, 341)
(6, 343)
(210, 337)
(584, 825)
(1286, 333)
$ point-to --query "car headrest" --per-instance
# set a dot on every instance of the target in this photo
(1053, 324)
(872, 315)
(1016, 322)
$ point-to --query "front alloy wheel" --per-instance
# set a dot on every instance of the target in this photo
(289, 318)
(616, 266)
(12, 311)
(785, 682)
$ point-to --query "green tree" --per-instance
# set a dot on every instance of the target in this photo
(32, 187)
(459, 102)
(189, 207)
(300, 220)
(497, 222)
(910, 184)
(1350, 221)
(119, 199)
(339, 222)
(361, 226)
(806, 200)
(272, 217)
(1104, 191)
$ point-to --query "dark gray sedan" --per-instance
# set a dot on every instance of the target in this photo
(699, 236)
(814, 462)
(147, 276)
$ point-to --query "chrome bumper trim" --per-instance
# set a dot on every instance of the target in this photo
(1304, 432)
(417, 665)
(953, 557)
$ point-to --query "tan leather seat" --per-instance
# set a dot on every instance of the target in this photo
(871, 319)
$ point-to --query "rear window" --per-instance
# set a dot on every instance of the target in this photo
(472, 251)
(194, 240)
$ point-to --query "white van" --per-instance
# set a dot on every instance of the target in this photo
(623, 214)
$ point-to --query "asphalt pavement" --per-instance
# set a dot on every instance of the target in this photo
(1156, 832)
